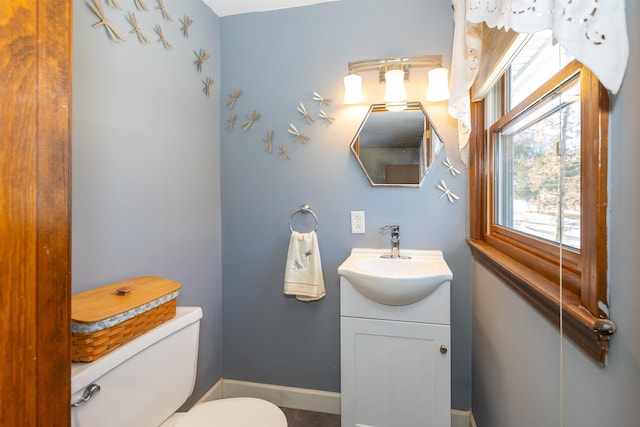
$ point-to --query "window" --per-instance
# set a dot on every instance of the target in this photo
(537, 169)
(539, 180)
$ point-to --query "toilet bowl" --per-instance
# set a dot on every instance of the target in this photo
(144, 382)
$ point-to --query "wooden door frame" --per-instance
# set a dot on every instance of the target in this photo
(35, 219)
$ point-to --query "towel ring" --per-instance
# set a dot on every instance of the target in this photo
(303, 209)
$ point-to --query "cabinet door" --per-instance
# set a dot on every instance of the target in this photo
(394, 374)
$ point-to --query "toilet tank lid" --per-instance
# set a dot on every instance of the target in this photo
(82, 374)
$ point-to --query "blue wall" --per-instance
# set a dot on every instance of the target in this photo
(516, 352)
(148, 149)
(161, 187)
(278, 59)
(146, 186)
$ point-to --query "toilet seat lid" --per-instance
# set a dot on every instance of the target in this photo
(234, 412)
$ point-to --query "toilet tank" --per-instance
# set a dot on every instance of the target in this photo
(143, 382)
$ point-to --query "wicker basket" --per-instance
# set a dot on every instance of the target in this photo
(108, 317)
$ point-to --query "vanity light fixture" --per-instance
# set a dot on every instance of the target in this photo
(394, 72)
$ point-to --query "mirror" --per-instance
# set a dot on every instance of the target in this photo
(396, 148)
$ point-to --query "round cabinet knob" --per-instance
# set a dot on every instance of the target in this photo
(443, 349)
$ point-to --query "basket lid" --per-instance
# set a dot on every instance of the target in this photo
(107, 301)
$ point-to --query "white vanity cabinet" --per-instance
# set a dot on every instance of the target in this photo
(395, 360)
(393, 374)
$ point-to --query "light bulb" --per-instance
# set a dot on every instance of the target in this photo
(438, 89)
(395, 91)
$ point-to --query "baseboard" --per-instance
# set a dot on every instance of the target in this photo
(300, 398)
(214, 393)
(288, 397)
(462, 418)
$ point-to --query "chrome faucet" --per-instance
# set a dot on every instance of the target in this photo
(395, 240)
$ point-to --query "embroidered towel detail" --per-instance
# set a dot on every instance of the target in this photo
(303, 271)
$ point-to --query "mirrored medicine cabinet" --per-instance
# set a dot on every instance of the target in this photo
(396, 147)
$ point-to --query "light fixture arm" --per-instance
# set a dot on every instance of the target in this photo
(395, 62)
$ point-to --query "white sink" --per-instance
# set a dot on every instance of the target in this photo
(395, 281)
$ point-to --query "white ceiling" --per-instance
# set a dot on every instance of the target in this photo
(234, 7)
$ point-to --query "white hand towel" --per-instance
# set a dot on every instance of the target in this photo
(303, 272)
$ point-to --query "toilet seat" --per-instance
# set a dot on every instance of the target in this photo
(234, 412)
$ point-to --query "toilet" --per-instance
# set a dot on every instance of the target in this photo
(233, 412)
(144, 382)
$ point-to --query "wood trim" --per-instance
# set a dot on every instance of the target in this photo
(53, 279)
(590, 333)
(35, 62)
(594, 203)
(542, 262)
(533, 270)
(547, 90)
(477, 172)
(17, 217)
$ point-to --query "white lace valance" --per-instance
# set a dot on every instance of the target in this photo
(593, 31)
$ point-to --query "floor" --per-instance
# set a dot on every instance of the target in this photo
(300, 418)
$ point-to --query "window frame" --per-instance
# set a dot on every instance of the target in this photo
(531, 266)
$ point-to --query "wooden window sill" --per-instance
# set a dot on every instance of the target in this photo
(589, 332)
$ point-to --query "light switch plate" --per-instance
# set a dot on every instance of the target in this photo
(357, 222)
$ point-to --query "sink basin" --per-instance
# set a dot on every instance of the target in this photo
(395, 281)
